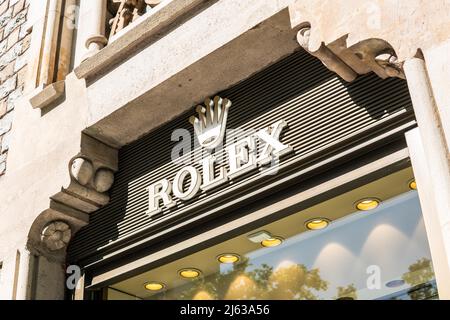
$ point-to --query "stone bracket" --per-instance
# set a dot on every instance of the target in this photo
(371, 55)
(48, 244)
(91, 174)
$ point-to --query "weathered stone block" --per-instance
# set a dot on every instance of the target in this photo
(12, 99)
(3, 46)
(8, 86)
(6, 17)
(5, 123)
(13, 2)
(7, 72)
(13, 38)
(21, 62)
(3, 7)
(24, 31)
(21, 76)
(2, 167)
(15, 22)
(19, 6)
(25, 37)
(5, 142)
(2, 108)
(11, 55)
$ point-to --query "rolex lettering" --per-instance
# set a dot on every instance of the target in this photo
(241, 157)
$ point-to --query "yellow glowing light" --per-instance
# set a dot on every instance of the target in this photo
(272, 242)
(317, 224)
(189, 273)
(367, 204)
(228, 258)
(413, 184)
(203, 295)
(154, 286)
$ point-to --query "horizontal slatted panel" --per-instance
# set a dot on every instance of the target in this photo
(322, 113)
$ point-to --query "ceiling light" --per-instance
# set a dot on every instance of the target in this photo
(228, 258)
(367, 204)
(272, 242)
(412, 184)
(395, 283)
(317, 223)
(259, 236)
(154, 286)
(189, 273)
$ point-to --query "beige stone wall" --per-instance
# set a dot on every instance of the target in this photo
(14, 43)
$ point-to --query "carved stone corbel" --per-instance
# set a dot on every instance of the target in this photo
(56, 235)
(371, 55)
(52, 230)
(328, 58)
(91, 174)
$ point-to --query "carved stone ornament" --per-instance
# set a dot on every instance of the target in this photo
(328, 58)
(103, 179)
(371, 55)
(390, 64)
(82, 170)
(91, 175)
(56, 235)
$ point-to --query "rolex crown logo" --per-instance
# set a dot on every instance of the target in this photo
(210, 125)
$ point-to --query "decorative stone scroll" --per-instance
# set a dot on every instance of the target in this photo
(56, 235)
(371, 55)
(91, 175)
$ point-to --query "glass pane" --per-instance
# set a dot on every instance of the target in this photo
(382, 253)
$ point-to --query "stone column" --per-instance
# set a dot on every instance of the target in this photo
(50, 43)
(38, 278)
(439, 248)
(25, 277)
(50, 280)
(431, 165)
(93, 17)
(79, 293)
(438, 67)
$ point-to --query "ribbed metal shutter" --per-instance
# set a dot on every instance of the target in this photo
(324, 115)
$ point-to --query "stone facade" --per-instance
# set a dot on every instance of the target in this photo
(78, 97)
(14, 43)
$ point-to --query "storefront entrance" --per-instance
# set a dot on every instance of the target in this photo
(310, 196)
(369, 243)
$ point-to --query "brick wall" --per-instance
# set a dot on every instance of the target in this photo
(14, 42)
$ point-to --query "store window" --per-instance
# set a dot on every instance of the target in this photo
(369, 243)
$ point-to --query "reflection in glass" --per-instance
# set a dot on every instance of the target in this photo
(333, 263)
